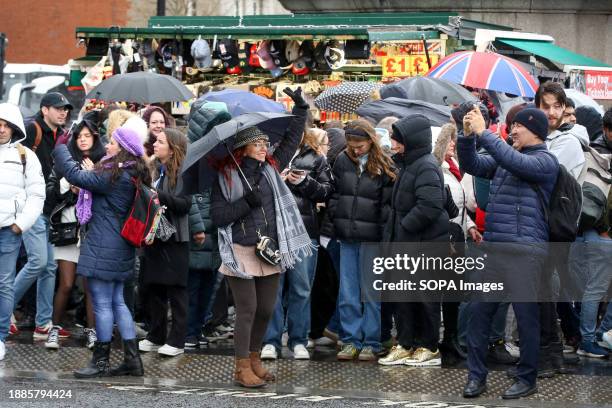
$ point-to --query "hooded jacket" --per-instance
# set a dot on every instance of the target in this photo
(59, 196)
(22, 190)
(316, 188)
(418, 198)
(515, 212)
(566, 144)
(588, 117)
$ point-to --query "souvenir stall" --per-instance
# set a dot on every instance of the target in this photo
(340, 60)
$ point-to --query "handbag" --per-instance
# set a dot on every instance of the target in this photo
(63, 234)
(267, 248)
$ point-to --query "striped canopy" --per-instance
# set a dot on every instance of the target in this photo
(486, 70)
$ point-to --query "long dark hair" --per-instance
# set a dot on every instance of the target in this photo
(378, 161)
(97, 149)
(177, 142)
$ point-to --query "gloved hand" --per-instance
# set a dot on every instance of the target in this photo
(297, 98)
(253, 199)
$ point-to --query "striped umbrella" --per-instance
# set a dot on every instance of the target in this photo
(486, 70)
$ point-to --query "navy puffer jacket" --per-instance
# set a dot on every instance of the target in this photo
(514, 211)
(105, 255)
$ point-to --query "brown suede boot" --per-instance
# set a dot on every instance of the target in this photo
(245, 376)
(259, 369)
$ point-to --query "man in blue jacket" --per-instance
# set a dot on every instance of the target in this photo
(516, 225)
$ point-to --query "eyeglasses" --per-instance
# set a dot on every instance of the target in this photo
(261, 145)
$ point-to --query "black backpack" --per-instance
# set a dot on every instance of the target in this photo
(565, 206)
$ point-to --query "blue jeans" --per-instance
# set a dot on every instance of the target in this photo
(109, 308)
(590, 260)
(40, 267)
(9, 251)
(297, 301)
(360, 322)
(202, 286)
(606, 323)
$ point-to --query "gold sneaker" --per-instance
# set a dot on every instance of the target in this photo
(397, 356)
(424, 357)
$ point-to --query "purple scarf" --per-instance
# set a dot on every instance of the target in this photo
(85, 200)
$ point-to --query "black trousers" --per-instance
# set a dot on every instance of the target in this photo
(418, 324)
(158, 297)
(324, 294)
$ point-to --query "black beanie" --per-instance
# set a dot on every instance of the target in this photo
(534, 120)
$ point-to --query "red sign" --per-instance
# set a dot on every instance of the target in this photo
(598, 84)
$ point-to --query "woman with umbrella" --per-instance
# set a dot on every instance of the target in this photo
(261, 234)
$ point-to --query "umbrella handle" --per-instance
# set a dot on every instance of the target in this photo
(238, 166)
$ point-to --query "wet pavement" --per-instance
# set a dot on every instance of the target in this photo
(203, 377)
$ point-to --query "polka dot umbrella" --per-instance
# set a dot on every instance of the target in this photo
(346, 97)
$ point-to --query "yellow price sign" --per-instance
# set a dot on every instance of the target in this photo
(397, 66)
(407, 65)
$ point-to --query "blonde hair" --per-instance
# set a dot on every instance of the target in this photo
(116, 119)
(313, 138)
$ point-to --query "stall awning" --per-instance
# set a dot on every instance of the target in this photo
(553, 52)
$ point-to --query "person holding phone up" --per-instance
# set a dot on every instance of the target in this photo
(309, 179)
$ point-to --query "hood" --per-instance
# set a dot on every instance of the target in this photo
(97, 150)
(414, 132)
(443, 140)
(602, 145)
(578, 131)
(11, 114)
(337, 143)
(203, 119)
(588, 117)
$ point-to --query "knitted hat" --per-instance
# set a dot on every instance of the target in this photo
(129, 140)
(249, 135)
(534, 120)
(139, 126)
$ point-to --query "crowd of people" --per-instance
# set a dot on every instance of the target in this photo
(282, 231)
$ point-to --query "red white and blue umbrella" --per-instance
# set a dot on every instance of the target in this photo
(486, 70)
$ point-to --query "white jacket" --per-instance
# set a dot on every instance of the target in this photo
(459, 197)
(567, 147)
(22, 194)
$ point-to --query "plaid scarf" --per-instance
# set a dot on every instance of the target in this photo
(292, 237)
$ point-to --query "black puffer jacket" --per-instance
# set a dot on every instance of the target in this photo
(417, 203)
(359, 205)
(317, 187)
(246, 220)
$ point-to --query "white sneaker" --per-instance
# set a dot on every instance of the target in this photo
(324, 342)
(2, 350)
(269, 352)
(513, 349)
(607, 338)
(53, 339)
(310, 344)
(300, 352)
(146, 345)
(171, 351)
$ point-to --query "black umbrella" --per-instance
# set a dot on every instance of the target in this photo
(141, 87)
(432, 90)
(438, 114)
(219, 142)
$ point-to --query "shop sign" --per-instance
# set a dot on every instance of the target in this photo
(598, 84)
(407, 65)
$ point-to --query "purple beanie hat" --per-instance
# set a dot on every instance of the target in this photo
(129, 140)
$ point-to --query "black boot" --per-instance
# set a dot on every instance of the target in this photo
(558, 361)
(132, 364)
(99, 366)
